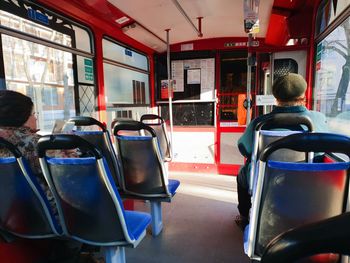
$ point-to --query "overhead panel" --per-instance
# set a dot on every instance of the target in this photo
(219, 20)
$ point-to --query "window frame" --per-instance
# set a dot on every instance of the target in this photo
(128, 67)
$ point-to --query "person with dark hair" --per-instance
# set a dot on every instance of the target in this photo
(18, 125)
(289, 91)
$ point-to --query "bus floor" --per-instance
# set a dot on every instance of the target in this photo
(198, 225)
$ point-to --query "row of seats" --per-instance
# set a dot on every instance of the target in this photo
(137, 162)
(88, 191)
(289, 190)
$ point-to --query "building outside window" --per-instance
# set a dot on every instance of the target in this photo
(38, 60)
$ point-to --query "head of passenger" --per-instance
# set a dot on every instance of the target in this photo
(289, 90)
(16, 110)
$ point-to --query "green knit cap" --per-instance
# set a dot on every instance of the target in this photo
(289, 87)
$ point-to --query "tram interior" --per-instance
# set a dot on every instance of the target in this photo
(204, 70)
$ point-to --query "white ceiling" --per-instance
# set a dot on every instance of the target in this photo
(221, 18)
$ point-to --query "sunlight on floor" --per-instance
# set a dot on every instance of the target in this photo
(210, 186)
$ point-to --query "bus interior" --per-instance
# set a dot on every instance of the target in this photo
(206, 69)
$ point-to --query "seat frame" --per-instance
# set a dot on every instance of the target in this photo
(275, 121)
(25, 172)
(154, 199)
(114, 252)
(89, 121)
(146, 119)
(316, 142)
(327, 236)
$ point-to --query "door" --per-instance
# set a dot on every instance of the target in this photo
(231, 114)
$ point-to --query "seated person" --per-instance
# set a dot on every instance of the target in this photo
(18, 126)
(289, 91)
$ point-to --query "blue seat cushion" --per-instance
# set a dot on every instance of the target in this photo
(136, 222)
(246, 239)
(173, 185)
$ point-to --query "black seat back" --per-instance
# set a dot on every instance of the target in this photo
(273, 128)
(88, 200)
(157, 123)
(326, 236)
(289, 194)
(284, 121)
(143, 171)
(100, 139)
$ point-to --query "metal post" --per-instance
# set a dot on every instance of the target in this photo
(249, 76)
(170, 86)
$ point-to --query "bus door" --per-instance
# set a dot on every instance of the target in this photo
(232, 96)
(280, 63)
(231, 114)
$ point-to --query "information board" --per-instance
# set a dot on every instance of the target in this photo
(195, 78)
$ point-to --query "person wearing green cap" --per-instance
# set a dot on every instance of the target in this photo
(289, 91)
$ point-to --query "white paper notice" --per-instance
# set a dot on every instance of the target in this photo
(193, 76)
(177, 74)
(264, 100)
(207, 78)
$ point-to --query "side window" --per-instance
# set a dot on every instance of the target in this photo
(34, 62)
(49, 96)
(331, 90)
(126, 78)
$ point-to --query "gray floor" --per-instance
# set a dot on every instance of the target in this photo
(198, 224)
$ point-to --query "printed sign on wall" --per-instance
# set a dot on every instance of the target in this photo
(85, 70)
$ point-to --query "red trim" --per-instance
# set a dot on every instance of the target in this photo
(194, 129)
(215, 43)
(219, 44)
(278, 31)
(193, 167)
(228, 169)
(232, 129)
(99, 79)
(293, 5)
(129, 204)
(310, 59)
(26, 251)
(218, 90)
(266, 49)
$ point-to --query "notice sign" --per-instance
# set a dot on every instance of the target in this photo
(85, 70)
(88, 67)
(264, 100)
(164, 91)
(193, 76)
(177, 74)
(318, 56)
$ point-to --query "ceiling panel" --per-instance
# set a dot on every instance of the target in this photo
(221, 18)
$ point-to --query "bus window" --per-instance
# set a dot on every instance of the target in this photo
(332, 93)
(126, 78)
(43, 73)
(48, 58)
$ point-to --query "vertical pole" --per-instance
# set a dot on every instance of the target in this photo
(170, 86)
(249, 76)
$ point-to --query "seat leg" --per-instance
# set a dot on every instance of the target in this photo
(156, 213)
(114, 254)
